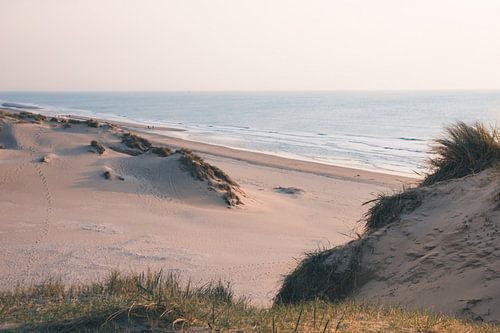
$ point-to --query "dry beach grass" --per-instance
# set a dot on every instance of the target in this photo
(159, 302)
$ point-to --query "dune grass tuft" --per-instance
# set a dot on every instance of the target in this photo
(98, 147)
(387, 208)
(161, 151)
(216, 178)
(136, 142)
(92, 123)
(465, 149)
(159, 302)
(74, 121)
(201, 169)
(323, 274)
(30, 116)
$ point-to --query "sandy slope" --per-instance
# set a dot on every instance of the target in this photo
(444, 255)
(62, 218)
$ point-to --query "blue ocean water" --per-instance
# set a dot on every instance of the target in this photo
(386, 131)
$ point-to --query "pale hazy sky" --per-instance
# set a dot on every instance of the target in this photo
(249, 45)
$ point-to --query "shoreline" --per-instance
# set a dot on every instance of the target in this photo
(161, 134)
(279, 162)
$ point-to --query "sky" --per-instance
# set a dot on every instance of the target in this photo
(211, 45)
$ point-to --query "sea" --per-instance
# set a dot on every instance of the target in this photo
(385, 131)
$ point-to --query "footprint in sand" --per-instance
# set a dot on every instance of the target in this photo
(44, 230)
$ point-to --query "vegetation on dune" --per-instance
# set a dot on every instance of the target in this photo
(216, 178)
(230, 196)
(323, 274)
(387, 209)
(137, 145)
(92, 123)
(161, 151)
(464, 150)
(201, 169)
(136, 142)
(159, 302)
(98, 147)
(28, 116)
(133, 144)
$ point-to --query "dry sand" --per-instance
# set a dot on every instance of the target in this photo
(61, 218)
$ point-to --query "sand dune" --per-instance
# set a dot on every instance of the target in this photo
(445, 255)
(65, 219)
(438, 251)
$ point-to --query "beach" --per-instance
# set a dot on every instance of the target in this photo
(62, 219)
(237, 166)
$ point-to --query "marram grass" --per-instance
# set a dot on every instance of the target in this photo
(463, 150)
(158, 302)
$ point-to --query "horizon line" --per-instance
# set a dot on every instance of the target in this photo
(251, 90)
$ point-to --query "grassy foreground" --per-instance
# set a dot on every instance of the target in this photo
(159, 302)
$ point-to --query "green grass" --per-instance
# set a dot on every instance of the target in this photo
(158, 301)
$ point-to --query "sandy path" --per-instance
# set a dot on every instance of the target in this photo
(33, 254)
